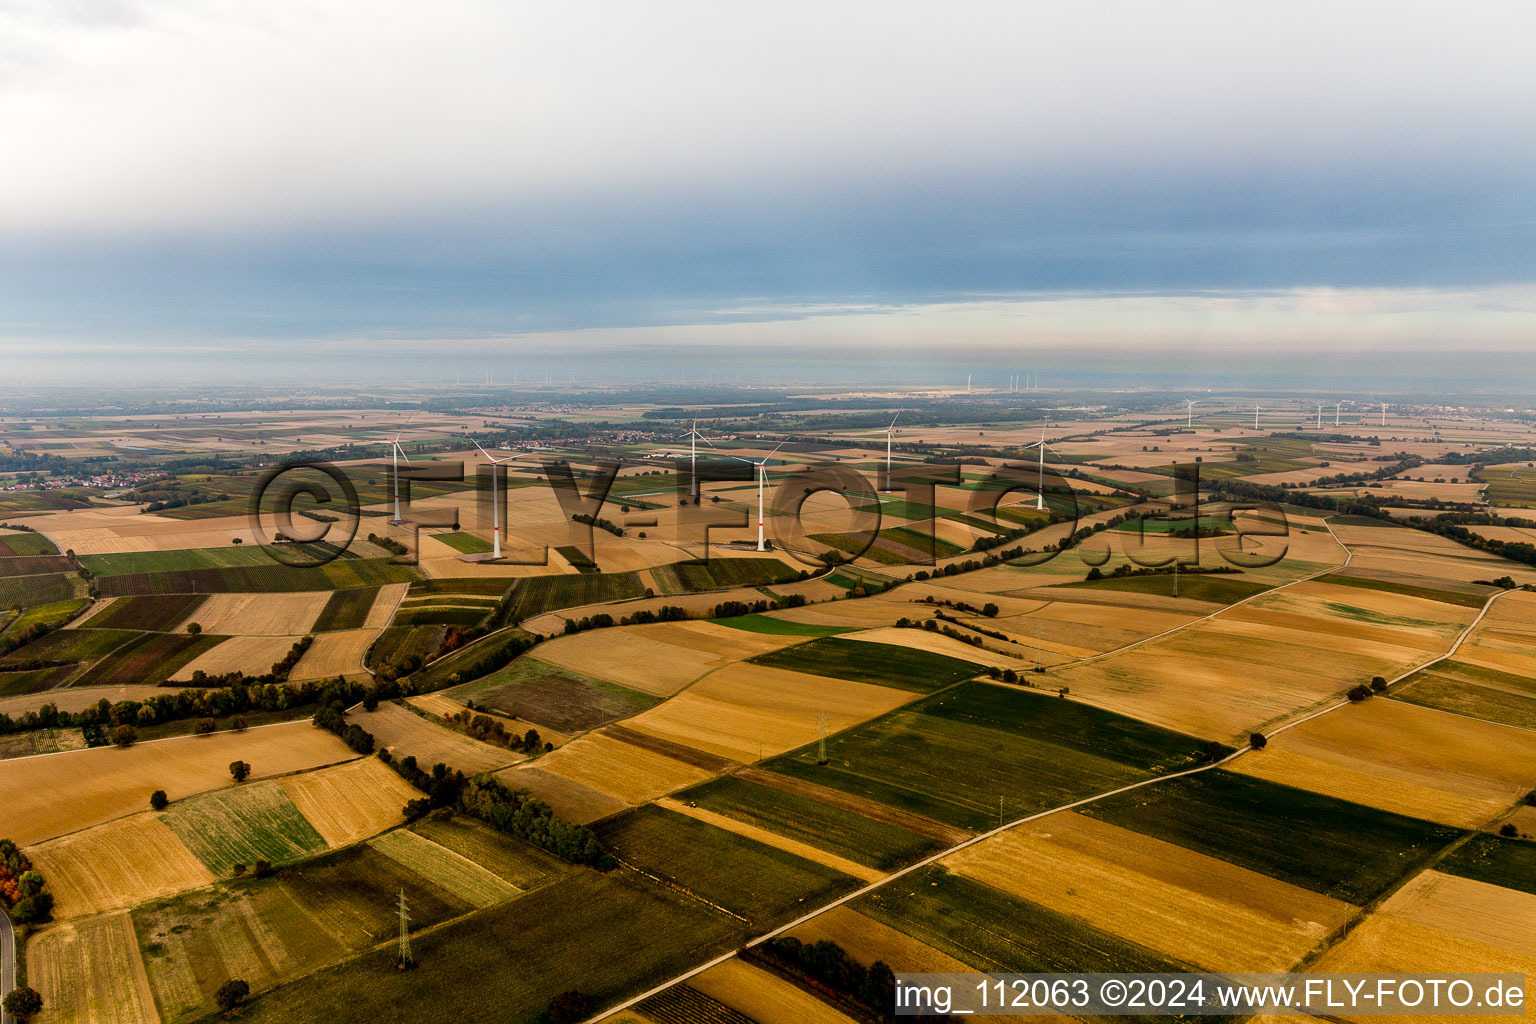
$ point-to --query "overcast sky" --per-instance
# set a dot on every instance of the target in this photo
(194, 176)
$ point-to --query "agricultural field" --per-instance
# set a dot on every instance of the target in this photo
(746, 712)
(764, 996)
(408, 734)
(56, 794)
(334, 654)
(158, 614)
(839, 831)
(252, 655)
(350, 801)
(627, 772)
(243, 824)
(1398, 757)
(1496, 860)
(1330, 846)
(117, 865)
(760, 884)
(90, 972)
(684, 577)
(901, 667)
(453, 872)
(148, 659)
(536, 691)
(969, 755)
(43, 588)
(660, 658)
(265, 577)
(261, 614)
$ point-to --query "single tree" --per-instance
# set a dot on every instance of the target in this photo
(1257, 741)
(124, 735)
(989, 610)
(263, 867)
(1379, 684)
(158, 800)
(231, 994)
(238, 869)
(194, 628)
(23, 1003)
(206, 726)
(239, 770)
(1509, 831)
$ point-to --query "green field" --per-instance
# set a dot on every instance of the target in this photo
(397, 643)
(1331, 846)
(859, 839)
(275, 929)
(1215, 588)
(684, 577)
(71, 645)
(123, 563)
(242, 823)
(952, 756)
(46, 614)
(542, 693)
(765, 885)
(511, 860)
(536, 595)
(1467, 595)
(1512, 485)
(15, 684)
(437, 675)
(44, 588)
(346, 609)
(992, 931)
(25, 543)
(863, 661)
(1473, 690)
(155, 614)
(465, 543)
(438, 615)
(268, 577)
(781, 627)
(606, 936)
(150, 659)
(1496, 860)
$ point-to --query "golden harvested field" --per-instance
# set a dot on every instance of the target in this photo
(384, 604)
(1400, 549)
(350, 801)
(407, 734)
(117, 865)
(868, 940)
(573, 801)
(1394, 614)
(620, 770)
(774, 839)
(334, 654)
(660, 658)
(90, 972)
(1441, 924)
(937, 643)
(1404, 758)
(74, 698)
(745, 712)
(1196, 908)
(252, 655)
(56, 794)
(766, 998)
(258, 614)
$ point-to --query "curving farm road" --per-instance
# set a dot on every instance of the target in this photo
(7, 962)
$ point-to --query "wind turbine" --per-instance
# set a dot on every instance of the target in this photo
(1336, 410)
(396, 454)
(694, 437)
(1255, 419)
(1040, 484)
(888, 432)
(1319, 415)
(762, 484)
(1383, 413)
(495, 500)
(1191, 412)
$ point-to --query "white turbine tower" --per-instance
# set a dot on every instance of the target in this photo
(1319, 416)
(694, 437)
(1255, 419)
(1191, 413)
(1040, 483)
(495, 501)
(1383, 413)
(889, 431)
(396, 453)
(762, 486)
(1336, 410)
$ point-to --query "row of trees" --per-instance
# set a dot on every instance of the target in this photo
(23, 890)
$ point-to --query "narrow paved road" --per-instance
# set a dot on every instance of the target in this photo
(7, 963)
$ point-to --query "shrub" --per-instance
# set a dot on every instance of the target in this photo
(158, 800)
(194, 628)
(1509, 831)
(206, 726)
(1257, 741)
(1379, 684)
(989, 610)
(124, 735)
(231, 994)
(239, 770)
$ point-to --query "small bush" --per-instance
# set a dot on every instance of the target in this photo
(158, 800)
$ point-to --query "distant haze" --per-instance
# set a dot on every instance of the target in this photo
(266, 190)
